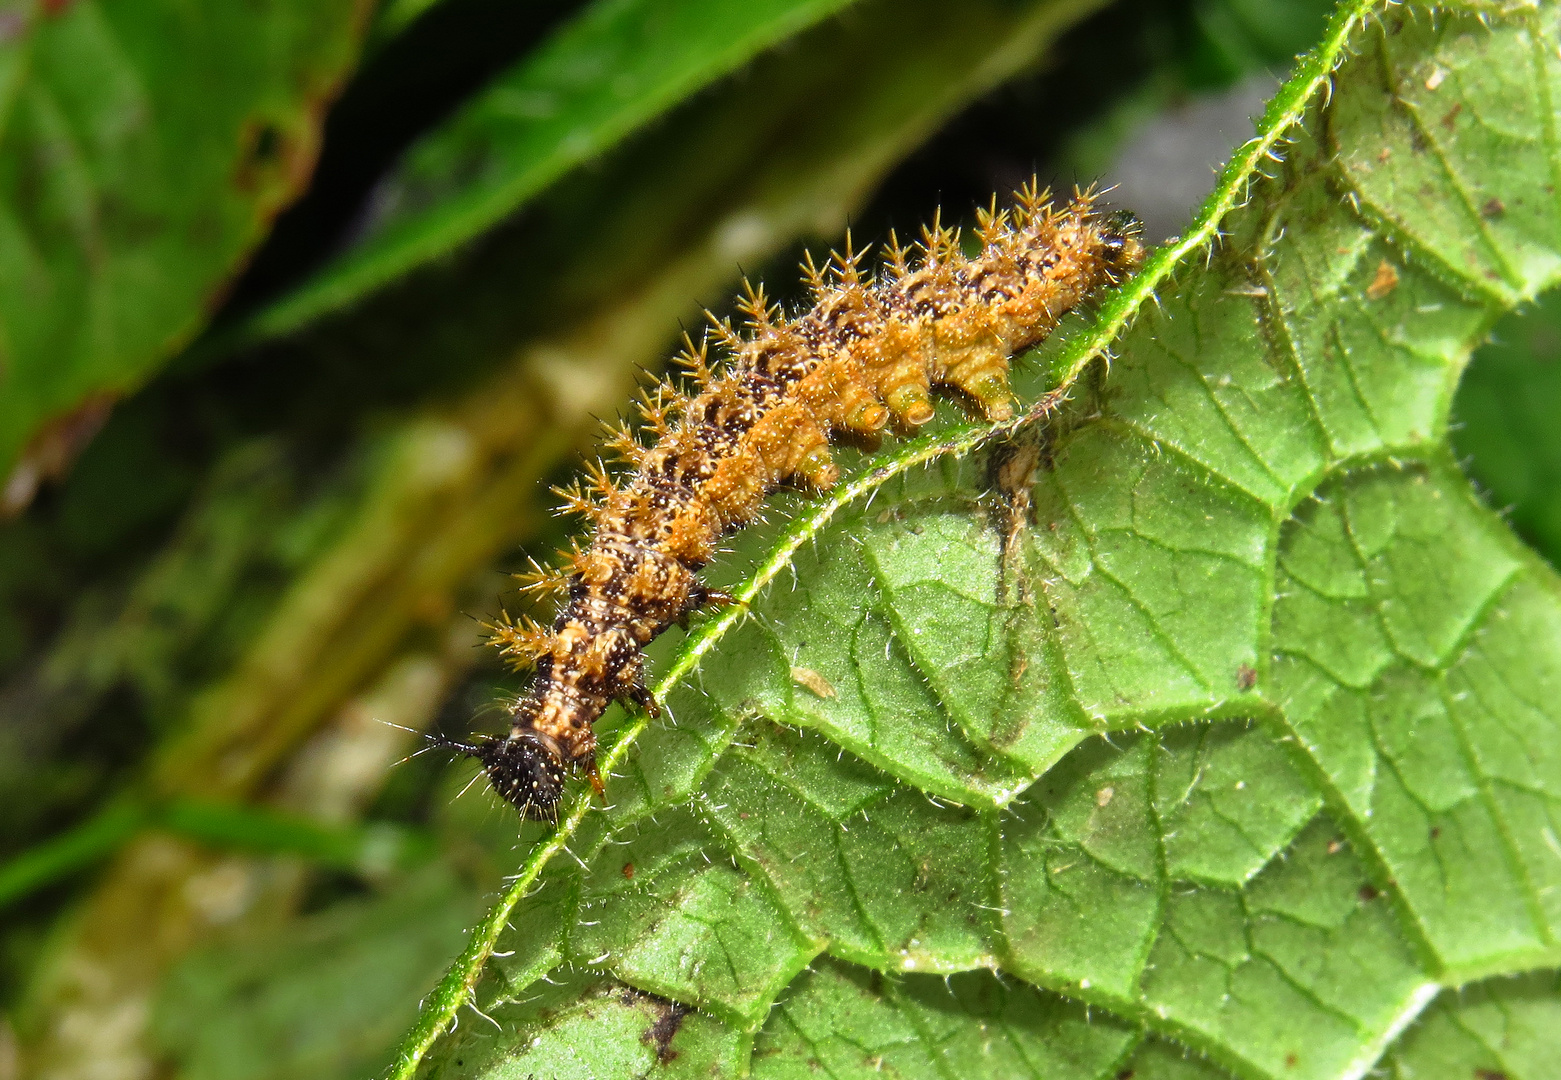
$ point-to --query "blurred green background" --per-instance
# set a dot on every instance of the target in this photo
(304, 305)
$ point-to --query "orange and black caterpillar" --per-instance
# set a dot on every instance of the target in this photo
(866, 353)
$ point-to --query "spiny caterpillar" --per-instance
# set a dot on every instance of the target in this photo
(867, 353)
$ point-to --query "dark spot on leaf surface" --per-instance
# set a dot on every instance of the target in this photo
(266, 155)
(1368, 893)
(1493, 207)
(1489, 1074)
(664, 1030)
(1246, 677)
(268, 142)
(1125, 1074)
(1291, 1060)
(1452, 116)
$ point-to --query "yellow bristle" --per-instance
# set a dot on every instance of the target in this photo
(543, 580)
(577, 501)
(695, 359)
(814, 276)
(991, 224)
(656, 412)
(624, 444)
(1033, 201)
(756, 308)
(847, 265)
(895, 257)
(727, 338)
(599, 480)
(521, 643)
(938, 243)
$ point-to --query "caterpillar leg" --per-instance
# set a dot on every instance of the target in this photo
(639, 694)
(899, 367)
(703, 596)
(981, 371)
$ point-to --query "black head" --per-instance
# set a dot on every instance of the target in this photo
(1122, 242)
(526, 770)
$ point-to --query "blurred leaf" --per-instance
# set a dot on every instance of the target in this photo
(1506, 412)
(251, 1009)
(1233, 37)
(145, 149)
(617, 66)
(374, 851)
(1245, 736)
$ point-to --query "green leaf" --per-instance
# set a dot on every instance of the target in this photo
(144, 150)
(227, 1015)
(858, 1023)
(1236, 729)
(1505, 1028)
(613, 69)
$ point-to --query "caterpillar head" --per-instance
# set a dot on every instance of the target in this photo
(1122, 243)
(525, 768)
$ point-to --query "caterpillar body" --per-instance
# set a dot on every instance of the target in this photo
(865, 355)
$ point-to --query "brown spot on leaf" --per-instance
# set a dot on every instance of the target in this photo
(628, 870)
(665, 1029)
(1451, 117)
(1368, 893)
(1489, 1074)
(1493, 207)
(1246, 677)
(1292, 1060)
(1385, 281)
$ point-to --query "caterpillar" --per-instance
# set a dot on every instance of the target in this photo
(864, 356)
